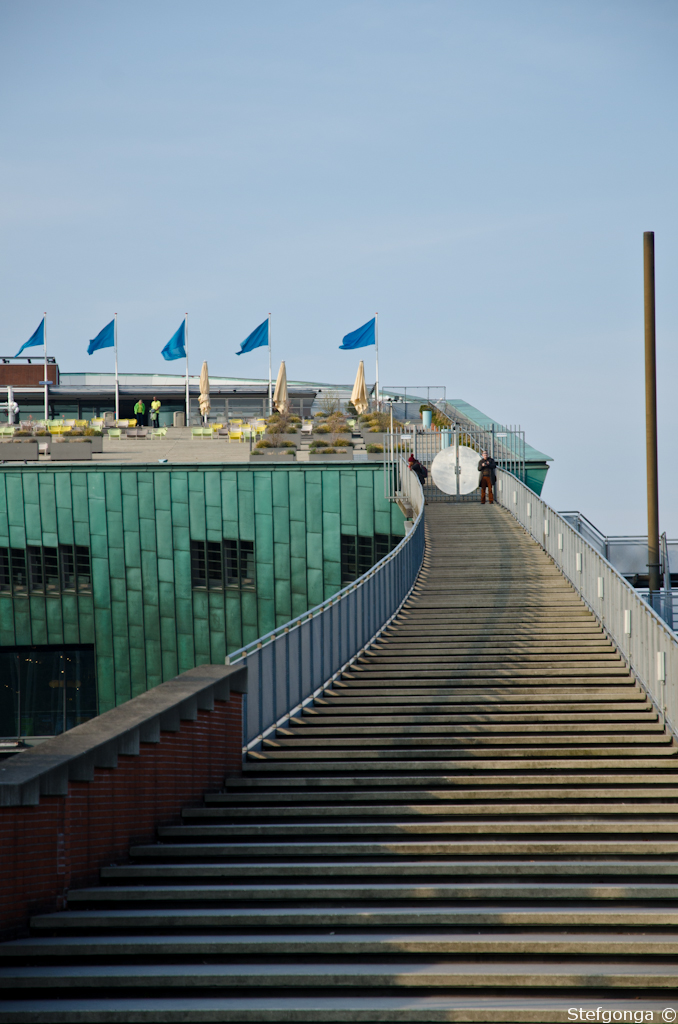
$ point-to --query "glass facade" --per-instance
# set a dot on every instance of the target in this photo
(46, 690)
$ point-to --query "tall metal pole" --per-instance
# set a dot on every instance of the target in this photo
(376, 354)
(117, 385)
(270, 377)
(651, 414)
(46, 385)
(188, 399)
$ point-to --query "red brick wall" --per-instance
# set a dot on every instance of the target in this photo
(23, 375)
(62, 842)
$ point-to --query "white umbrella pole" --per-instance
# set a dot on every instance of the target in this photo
(117, 383)
(188, 400)
(270, 378)
(376, 353)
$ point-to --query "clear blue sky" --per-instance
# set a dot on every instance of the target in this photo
(478, 171)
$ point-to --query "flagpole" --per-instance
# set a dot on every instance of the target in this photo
(270, 378)
(376, 352)
(188, 400)
(117, 383)
(44, 338)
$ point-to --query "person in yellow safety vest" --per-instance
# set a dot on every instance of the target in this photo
(140, 413)
(155, 410)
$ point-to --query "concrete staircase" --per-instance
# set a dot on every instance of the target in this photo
(476, 823)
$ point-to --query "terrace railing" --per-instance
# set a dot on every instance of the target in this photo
(648, 645)
(294, 663)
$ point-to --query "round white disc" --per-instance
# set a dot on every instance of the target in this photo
(444, 466)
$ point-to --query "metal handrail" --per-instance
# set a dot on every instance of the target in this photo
(647, 644)
(290, 666)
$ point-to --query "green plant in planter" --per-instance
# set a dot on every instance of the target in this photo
(288, 444)
(263, 444)
(374, 448)
(92, 432)
(319, 444)
(329, 451)
(23, 433)
(323, 429)
(342, 443)
(295, 419)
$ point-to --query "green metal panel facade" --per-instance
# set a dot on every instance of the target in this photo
(143, 616)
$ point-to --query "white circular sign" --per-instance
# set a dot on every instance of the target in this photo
(444, 466)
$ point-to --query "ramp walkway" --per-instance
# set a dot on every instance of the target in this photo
(477, 822)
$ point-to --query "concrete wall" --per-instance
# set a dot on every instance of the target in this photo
(144, 618)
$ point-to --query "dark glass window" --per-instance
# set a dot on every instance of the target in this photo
(383, 543)
(365, 554)
(359, 554)
(198, 574)
(45, 690)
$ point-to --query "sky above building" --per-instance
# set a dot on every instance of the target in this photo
(480, 172)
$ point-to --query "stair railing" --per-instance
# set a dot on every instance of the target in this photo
(290, 666)
(647, 644)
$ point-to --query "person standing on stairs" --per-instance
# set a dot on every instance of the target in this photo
(487, 468)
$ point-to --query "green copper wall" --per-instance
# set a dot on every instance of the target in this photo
(146, 621)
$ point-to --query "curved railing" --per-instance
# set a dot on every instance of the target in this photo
(292, 664)
(644, 640)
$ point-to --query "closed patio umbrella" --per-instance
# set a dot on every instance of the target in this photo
(359, 393)
(280, 397)
(205, 404)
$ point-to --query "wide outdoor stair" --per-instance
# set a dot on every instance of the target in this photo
(477, 822)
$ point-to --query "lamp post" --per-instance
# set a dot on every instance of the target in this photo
(651, 414)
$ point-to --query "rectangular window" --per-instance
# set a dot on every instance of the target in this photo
(231, 563)
(348, 559)
(214, 567)
(18, 566)
(247, 567)
(83, 570)
(67, 564)
(198, 574)
(5, 584)
(382, 545)
(365, 554)
(50, 562)
(37, 583)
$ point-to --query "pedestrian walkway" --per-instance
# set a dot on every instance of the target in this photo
(477, 822)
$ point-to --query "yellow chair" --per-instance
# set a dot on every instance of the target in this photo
(235, 435)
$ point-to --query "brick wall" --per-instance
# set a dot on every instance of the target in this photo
(63, 841)
(25, 375)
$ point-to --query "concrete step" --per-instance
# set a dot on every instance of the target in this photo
(324, 1008)
(634, 869)
(341, 891)
(364, 915)
(601, 799)
(248, 782)
(559, 824)
(484, 846)
(398, 973)
(517, 809)
(296, 739)
(285, 762)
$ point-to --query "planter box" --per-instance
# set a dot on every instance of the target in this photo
(294, 438)
(70, 451)
(332, 457)
(271, 455)
(18, 451)
(97, 444)
(363, 456)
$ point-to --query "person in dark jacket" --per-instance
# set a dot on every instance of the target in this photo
(418, 468)
(487, 468)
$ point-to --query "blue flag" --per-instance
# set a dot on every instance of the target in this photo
(257, 339)
(37, 338)
(365, 335)
(104, 339)
(176, 346)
